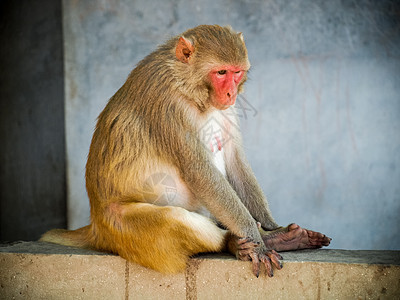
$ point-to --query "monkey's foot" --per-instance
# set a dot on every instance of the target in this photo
(293, 237)
(248, 250)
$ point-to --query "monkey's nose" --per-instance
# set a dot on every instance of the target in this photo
(230, 100)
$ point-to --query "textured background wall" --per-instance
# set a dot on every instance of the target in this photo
(323, 135)
(32, 148)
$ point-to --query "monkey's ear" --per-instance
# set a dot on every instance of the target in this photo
(184, 50)
(240, 35)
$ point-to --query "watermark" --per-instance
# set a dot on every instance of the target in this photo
(160, 189)
(244, 109)
(215, 133)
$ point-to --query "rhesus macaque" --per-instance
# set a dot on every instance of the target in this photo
(152, 131)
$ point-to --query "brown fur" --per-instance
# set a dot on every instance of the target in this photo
(151, 123)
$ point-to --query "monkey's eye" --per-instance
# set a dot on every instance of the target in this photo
(222, 72)
(237, 72)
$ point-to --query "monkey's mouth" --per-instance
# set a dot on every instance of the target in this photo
(230, 100)
(223, 106)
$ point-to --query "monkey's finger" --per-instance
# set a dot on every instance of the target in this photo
(246, 244)
(256, 264)
(258, 225)
(242, 241)
(280, 257)
(275, 260)
(268, 266)
(243, 256)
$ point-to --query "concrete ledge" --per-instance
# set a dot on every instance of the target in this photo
(34, 270)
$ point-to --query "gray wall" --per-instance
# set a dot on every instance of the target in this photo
(323, 135)
(32, 148)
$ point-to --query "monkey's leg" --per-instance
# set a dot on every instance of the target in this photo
(293, 237)
(161, 238)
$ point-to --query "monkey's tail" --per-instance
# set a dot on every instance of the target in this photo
(75, 238)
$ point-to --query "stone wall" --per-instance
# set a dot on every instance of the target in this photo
(44, 271)
(323, 129)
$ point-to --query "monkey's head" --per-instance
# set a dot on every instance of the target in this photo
(214, 59)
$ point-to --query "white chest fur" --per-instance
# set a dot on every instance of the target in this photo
(219, 161)
(214, 135)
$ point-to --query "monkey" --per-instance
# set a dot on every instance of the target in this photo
(173, 125)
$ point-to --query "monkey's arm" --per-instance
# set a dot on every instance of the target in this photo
(211, 187)
(244, 182)
(217, 195)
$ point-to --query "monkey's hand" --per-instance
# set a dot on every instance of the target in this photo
(247, 250)
(267, 258)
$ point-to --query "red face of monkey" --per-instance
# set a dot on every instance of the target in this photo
(225, 81)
